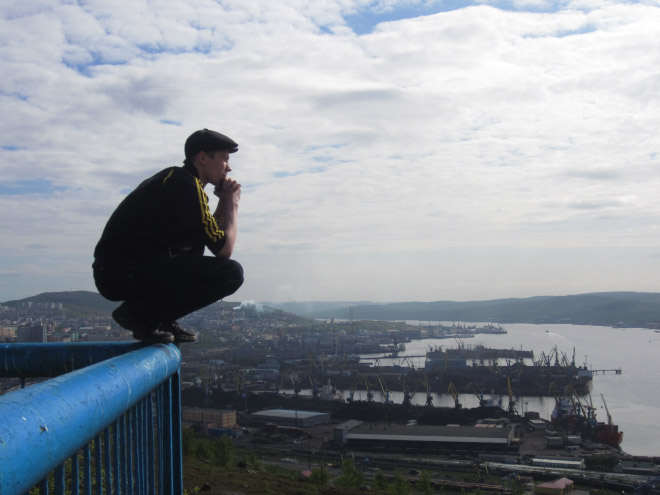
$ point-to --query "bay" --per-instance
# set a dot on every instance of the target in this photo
(632, 397)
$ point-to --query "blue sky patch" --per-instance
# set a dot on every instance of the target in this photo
(170, 122)
(36, 186)
(364, 21)
(14, 95)
(84, 68)
(281, 175)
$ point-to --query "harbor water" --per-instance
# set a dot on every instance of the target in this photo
(632, 397)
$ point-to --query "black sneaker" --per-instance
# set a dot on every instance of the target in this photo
(123, 316)
(154, 337)
(180, 334)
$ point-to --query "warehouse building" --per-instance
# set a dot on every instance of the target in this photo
(426, 437)
(218, 417)
(289, 417)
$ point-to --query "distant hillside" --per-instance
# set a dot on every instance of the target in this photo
(630, 309)
(76, 303)
(87, 304)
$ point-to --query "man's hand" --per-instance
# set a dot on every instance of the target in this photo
(228, 190)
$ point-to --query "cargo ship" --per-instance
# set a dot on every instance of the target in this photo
(572, 413)
(466, 369)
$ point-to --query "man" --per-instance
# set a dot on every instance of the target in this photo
(150, 254)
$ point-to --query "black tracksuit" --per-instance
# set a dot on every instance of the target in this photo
(151, 251)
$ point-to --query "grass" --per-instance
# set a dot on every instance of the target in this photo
(202, 476)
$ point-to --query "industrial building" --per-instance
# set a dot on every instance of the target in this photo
(289, 417)
(362, 435)
(558, 462)
(558, 487)
(219, 417)
(31, 333)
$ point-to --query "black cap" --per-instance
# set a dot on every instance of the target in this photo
(206, 140)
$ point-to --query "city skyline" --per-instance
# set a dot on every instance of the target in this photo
(388, 151)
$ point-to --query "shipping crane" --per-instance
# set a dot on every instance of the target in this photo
(383, 387)
(452, 390)
(471, 388)
(512, 405)
(385, 391)
(427, 387)
(607, 411)
(370, 395)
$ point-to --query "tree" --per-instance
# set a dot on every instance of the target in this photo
(400, 486)
(188, 441)
(517, 488)
(223, 450)
(320, 475)
(379, 483)
(424, 483)
(351, 477)
(202, 450)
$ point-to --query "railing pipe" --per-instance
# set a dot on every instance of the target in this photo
(59, 416)
(39, 360)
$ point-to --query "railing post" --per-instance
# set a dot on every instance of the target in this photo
(177, 462)
(75, 474)
(161, 436)
(117, 474)
(124, 454)
(168, 487)
(108, 461)
(59, 480)
(98, 470)
(150, 443)
(87, 469)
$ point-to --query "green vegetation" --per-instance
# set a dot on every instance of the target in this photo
(320, 475)
(211, 464)
(351, 477)
(424, 484)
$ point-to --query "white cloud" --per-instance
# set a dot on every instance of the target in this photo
(479, 129)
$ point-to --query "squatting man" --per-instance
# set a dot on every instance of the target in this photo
(151, 252)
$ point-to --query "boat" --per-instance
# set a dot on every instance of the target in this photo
(570, 413)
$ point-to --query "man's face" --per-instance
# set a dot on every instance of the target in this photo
(218, 166)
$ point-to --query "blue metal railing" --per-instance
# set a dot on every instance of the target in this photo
(109, 422)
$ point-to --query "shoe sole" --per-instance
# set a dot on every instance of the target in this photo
(155, 338)
(185, 339)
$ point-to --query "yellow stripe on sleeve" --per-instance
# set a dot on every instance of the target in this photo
(211, 228)
(168, 176)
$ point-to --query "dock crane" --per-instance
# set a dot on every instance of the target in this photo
(452, 390)
(471, 388)
(354, 385)
(607, 411)
(385, 391)
(315, 387)
(407, 395)
(427, 387)
(296, 386)
(512, 405)
(383, 387)
(370, 395)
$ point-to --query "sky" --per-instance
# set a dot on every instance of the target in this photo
(389, 150)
